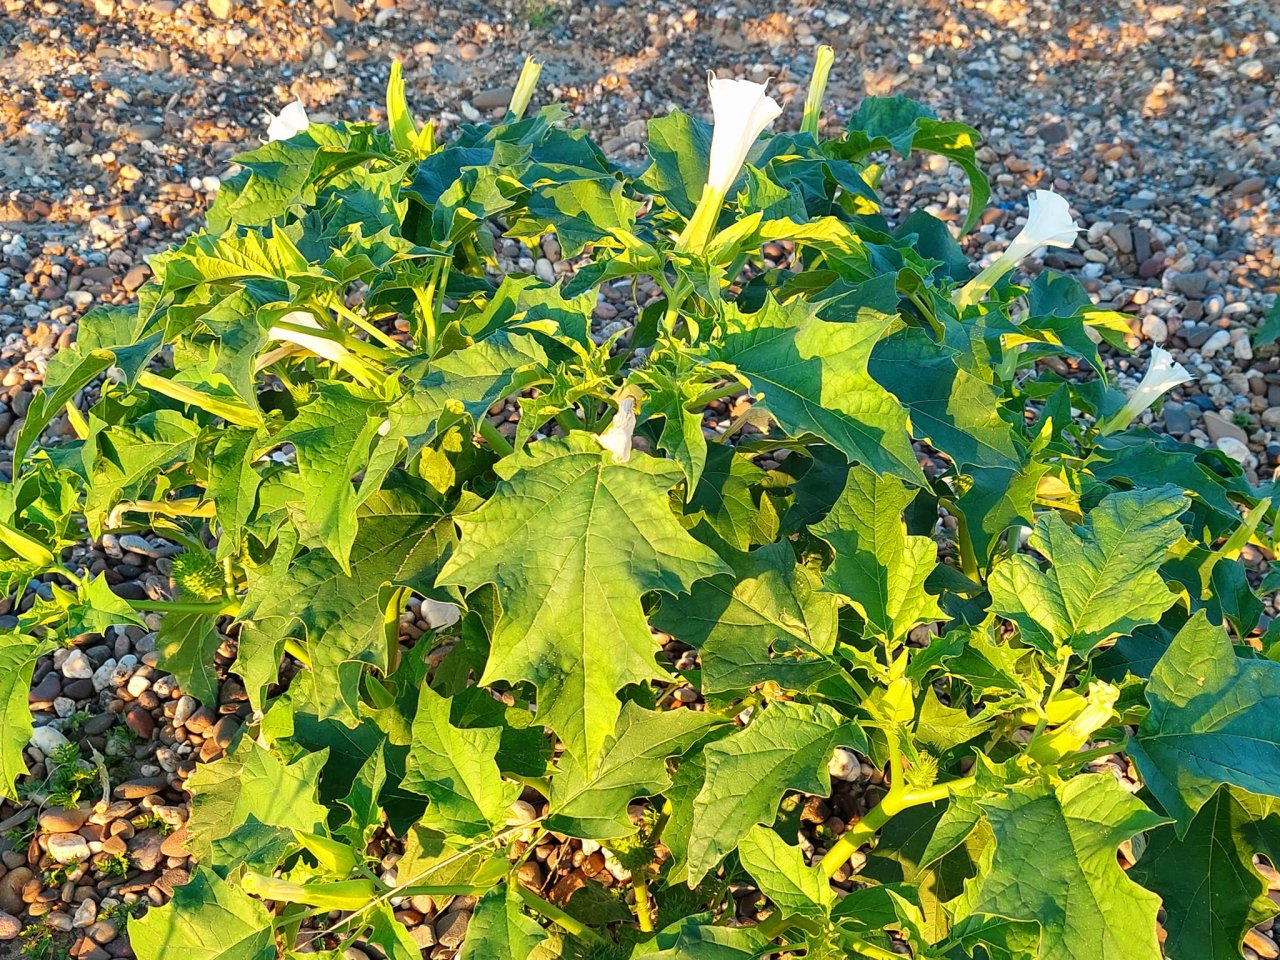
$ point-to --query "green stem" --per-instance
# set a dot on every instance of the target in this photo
(968, 557)
(296, 650)
(817, 90)
(217, 608)
(363, 323)
(525, 86)
(494, 438)
(641, 887)
(1059, 678)
(558, 916)
(693, 239)
(719, 393)
(230, 412)
(880, 814)
(184, 507)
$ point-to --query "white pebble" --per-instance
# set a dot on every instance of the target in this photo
(844, 765)
(77, 666)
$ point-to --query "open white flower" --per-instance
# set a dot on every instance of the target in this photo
(741, 111)
(288, 122)
(617, 437)
(1163, 374)
(1049, 224)
(321, 347)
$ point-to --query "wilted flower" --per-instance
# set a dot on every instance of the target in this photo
(288, 122)
(1049, 224)
(437, 614)
(321, 347)
(1163, 374)
(617, 438)
(741, 110)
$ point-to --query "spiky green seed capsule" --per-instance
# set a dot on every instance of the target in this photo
(638, 850)
(197, 575)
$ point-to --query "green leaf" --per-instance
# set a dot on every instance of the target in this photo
(233, 484)
(813, 377)
(679, 146)
(942, 728)
(780, 872)
(124, 460)
(1212, 892)
(785, 747)
(339, 618)
(1100, 582)
(580, 212)
(878, 567)
(471, 379)
(456, 769)
(205, 920)
(572, 540)
(695, 938)
(904, 125)
(1054, 862)
(766, 621)
(18, 656)
(594, 805)
(253, 781)
(726, 498)
(331, 436)
(498, 928)
(1212, 720)
(186, 643)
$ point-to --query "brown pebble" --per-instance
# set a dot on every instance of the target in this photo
(137, 789)
(141, 722)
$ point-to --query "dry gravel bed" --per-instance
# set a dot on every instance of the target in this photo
(1160, 123)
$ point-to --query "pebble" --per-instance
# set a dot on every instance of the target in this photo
(10, 926)
(68, 847)
(47, 739)
(77, 666)
(59, 820)
(844, 765)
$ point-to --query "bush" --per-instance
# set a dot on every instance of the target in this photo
(831, 587)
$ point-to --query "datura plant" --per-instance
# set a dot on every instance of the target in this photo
(781, 582)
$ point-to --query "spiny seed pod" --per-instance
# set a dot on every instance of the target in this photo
(197, 575)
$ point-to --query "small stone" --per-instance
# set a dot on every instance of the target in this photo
(47, 690)
(85, 914)
(68, 847)
(10, 926)
(844, 765)
(1220, 340)
(224, 731)
(1235, 449)
(11, 886)
(493, 98)
(451, 929)
(1218, 427)
(47, 739)
(1191, 284)
(185, 707)
(1155, 329)
(77, 666)
(140, 722)
(137, 789)
(175, 844)
(58, 820)
(146, 850)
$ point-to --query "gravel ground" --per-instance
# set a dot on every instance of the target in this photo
(1159, 122)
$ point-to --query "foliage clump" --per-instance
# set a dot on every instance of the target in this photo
(828, 503)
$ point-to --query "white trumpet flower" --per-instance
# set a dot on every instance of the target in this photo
(1049, 224)
(320, 346)
(617, 437)
(288, 122)
(1163, 374)
(741, 111)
